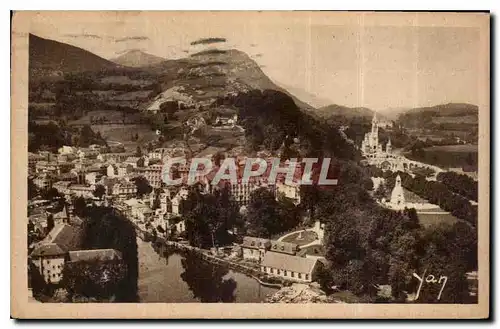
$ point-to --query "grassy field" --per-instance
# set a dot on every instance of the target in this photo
(430, 220)
(123, 133)
(468, 148)
(315, 250)
(412, 197)
(307, 237)
(448, 156)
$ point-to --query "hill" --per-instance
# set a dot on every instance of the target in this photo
(205, 76)
(348, 112)
(182, 99)
(52, 58)
(444, 116)
(137, 58)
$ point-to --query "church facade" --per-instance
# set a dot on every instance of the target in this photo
(371, 146)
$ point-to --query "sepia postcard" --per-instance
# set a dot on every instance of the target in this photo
(257, 165)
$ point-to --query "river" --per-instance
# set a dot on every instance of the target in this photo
(167, 276)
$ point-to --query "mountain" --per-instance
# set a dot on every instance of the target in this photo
(392, 113)
(52, 58)
(137, 58)
(307, 97)
(205, 76)
(451, 115)
(347, 112)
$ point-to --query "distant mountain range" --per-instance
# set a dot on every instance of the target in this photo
(206, 75)
(451, 115)
(348, 112)
(203, 75)
(137, 58)
(52, 58)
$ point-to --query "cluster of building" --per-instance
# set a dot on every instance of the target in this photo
(78, 172)
(281, 259)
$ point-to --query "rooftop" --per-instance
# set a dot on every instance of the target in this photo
(64, 235)
(48, 249)
(284, 247)
(94, 254)
(255, 243)
(287, 262)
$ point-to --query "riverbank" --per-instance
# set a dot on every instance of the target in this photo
(207, 256)
(170, 275)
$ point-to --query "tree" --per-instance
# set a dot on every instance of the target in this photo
(94, 279)
(208, 217)
(99, 191)
(32, 189)
(325, 279)
(51, 194)
(289, 213)
(138, 151)
(381, 191)
(143, 187)
(263, 218)
(50, 223)
(79, 206)
(107, 228)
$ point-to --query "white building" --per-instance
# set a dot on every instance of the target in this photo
(397, 196)
(49, 255)
(302, 269)
(289, 191)
(177, 200)
(66, 150)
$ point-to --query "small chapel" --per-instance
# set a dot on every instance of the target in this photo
(397, 200)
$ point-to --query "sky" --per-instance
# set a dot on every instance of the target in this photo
(327, 58)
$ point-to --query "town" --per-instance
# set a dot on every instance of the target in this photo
(133, 184)
(196, 176)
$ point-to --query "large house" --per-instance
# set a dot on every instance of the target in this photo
(137, 161)
(137, 210)
(43, 181)
(115, 157)
(80, 190)
(124, 189)
(294, 268)
(50, 254)
(284, 247)
(254, 248)
(118, 170)
(59, 248)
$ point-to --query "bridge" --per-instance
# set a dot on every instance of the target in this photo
(396, 162)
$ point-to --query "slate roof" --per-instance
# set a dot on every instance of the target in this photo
(284, 247)
(94, 254)
(255, 243)
(48, 249)
(61, 239)
(289, 263)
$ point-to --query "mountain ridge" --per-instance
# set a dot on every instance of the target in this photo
(137, 58)
(53, 58)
